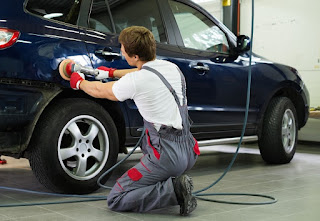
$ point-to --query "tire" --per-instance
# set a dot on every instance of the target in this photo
(279, 133)
(75, 141)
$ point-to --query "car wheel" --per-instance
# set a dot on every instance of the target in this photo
(73, 144)
(278, 139)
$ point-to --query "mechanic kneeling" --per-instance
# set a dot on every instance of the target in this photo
(158, 89)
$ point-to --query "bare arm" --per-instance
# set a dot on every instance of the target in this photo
(121, 72)
(98, 89)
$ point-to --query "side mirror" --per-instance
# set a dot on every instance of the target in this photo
(243, 44)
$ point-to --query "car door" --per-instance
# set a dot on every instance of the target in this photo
(105, 22)
(216, 82)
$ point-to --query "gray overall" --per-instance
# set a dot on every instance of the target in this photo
(167, 153)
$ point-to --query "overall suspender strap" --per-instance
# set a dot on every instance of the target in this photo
(184, 88)
(168, 85)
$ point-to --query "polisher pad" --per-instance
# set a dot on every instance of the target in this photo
(63, 68)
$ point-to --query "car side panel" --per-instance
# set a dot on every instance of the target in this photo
(29, 76)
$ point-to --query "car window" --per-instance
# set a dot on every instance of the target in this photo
(99, 17)
(64, 11)
(145, 13)
(197, 31)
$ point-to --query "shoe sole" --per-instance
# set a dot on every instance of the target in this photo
(186, 194)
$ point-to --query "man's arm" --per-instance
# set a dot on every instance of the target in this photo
(105, 72)
(122, 72)
(98, 89)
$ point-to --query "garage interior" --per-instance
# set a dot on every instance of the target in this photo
(284, 32)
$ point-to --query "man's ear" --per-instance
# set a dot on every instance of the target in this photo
(136, 57)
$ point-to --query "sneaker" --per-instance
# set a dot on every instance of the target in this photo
(183, 187)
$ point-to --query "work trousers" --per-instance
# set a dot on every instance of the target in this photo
(148, 185)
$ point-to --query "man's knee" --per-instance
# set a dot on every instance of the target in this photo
(113, 201)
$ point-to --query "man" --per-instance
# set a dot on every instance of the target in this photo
(158, 89)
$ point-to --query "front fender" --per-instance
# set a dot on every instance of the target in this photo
(299, 97)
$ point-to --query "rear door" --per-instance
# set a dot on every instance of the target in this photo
(48, 36)
(105, 22)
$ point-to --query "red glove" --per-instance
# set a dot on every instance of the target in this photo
(75, 80)
(105, 72)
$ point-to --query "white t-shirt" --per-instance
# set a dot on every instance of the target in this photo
(155, 102)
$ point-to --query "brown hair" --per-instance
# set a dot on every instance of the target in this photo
(138, 40)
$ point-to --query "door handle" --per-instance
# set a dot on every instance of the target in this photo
(107, 53)
(200, 67)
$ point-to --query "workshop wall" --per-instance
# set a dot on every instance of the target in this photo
(287, 32)
(214, 7)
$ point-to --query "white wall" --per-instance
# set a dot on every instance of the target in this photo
(214, 7)
(287, 32)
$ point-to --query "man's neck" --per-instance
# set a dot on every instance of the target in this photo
(140, 63)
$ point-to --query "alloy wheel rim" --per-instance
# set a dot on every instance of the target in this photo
(83, 147)
(288, 131)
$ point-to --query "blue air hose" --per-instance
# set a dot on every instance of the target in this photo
(82, 198)
(198, 193)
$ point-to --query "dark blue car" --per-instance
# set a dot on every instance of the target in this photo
(70, 138)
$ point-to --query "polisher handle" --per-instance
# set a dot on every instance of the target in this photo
(68, 66)
(84, 70)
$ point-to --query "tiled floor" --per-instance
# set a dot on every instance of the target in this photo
(295, 185)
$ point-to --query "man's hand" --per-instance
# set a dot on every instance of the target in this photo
(105, 72)
(75, 80)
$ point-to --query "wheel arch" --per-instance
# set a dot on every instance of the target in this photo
(293, 94)
(113, 108)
